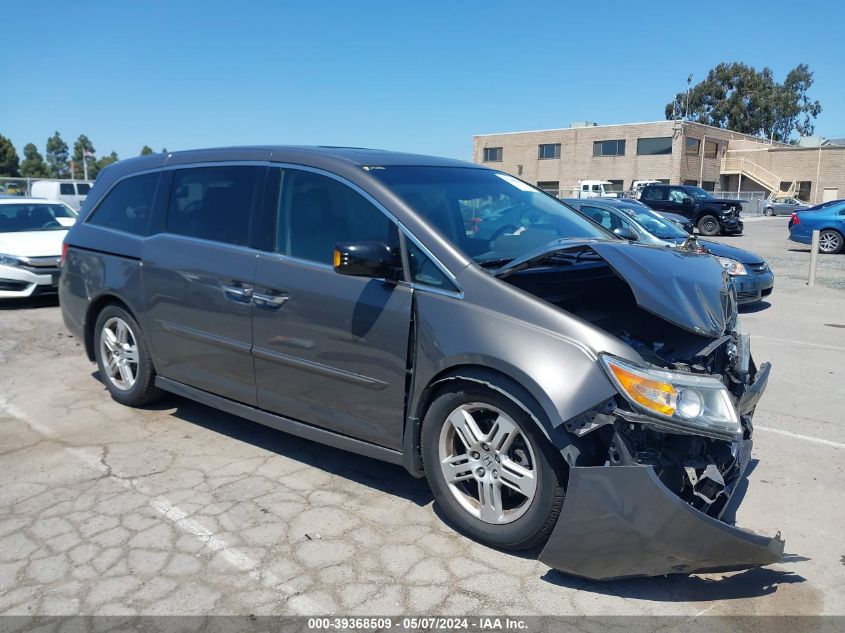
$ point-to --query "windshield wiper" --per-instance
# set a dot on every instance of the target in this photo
(554, 256)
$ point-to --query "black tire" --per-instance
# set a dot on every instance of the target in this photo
(143, 391)
(835, 238)
(535, 525)
(768, 211)
(709, 225)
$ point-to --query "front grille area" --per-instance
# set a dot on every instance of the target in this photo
(757, 268)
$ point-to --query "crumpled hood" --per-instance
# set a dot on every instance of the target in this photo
(691, 290)
(32, 243)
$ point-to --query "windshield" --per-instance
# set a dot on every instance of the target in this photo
(18, 217)
(697, 192)
(653, 223)
(488, 215)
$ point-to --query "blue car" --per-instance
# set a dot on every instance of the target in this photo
(828, 219)
(630, 219)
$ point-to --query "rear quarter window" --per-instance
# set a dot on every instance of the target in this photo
(128, 205)
(66, 189)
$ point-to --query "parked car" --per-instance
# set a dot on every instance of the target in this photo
(829, 220)
(71, 192)
(710, 215)
(783, 206)
(750, 274)
(31, 234)
(555, 385)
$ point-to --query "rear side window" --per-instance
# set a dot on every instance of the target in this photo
(82, 188)
(128, 206)
(316, 212)
(653, 193)
(212, 203)
(66, 189)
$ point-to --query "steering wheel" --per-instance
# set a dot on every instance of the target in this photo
(507, 228)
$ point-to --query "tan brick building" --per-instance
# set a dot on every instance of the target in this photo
(678, 152)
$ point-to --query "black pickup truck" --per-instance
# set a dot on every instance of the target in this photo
(710, 215)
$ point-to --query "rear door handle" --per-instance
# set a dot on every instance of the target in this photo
(268, 301)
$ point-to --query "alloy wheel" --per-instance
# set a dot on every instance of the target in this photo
(829, 241)
(119, 351)
(710, 226)
(488, 463)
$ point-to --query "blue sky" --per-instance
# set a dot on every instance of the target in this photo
(415, 76)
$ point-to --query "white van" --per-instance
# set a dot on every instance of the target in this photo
(71, 192)
(637, 186)
(596, 189)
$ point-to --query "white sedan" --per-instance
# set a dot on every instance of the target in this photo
(31, 235)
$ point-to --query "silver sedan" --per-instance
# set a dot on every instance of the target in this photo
(783, 206)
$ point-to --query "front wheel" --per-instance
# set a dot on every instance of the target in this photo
(492, 472)
(123, 358)
(831, 242)
(768, 211)
(709, 225)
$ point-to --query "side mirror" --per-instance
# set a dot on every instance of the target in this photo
(367, 259)
(626, 233)
(686, 200)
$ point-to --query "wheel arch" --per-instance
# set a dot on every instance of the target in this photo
(490, 378)
(96, 306)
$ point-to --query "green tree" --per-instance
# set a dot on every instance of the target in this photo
(57, 154)
(741, 98)
(33, 165)
(9, 162)
(83, 150)
(147, 150)
(163, 150)
(104, 162)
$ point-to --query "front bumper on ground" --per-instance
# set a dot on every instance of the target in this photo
(19, 283)
(621, 521)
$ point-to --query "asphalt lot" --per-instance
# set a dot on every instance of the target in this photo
(182, 509)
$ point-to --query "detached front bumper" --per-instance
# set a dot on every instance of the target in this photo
(621, 521)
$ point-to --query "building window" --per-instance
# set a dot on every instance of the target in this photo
(691, 183)
(548, 150)
(492, 154)
(609, 148)
(615, 185)
(654, 146)
(803, 191)
(711, 149)
(550, 186)
(693, 147)
(708, 185)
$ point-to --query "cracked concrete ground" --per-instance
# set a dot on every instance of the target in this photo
(182, 509)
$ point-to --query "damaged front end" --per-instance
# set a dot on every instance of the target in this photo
(652, 469)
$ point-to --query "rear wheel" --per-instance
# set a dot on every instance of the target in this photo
(492, 472)
(831, 241)
(709, 225)
(123, 358)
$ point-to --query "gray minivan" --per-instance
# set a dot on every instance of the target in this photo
(555, 385)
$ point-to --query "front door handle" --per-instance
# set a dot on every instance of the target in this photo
(241, 294)
(268, 301)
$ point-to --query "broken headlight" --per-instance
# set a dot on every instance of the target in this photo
(733, 267)
(676, 401)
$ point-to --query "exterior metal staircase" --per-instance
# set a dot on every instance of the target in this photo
(758, 174)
